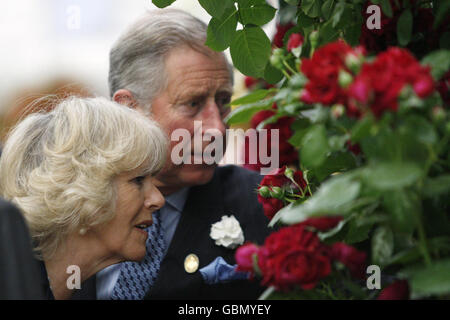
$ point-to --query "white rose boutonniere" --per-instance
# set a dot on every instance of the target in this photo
(227, 232)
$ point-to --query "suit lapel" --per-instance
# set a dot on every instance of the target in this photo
(203, 207)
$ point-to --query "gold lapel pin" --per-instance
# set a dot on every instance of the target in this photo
(191, 263)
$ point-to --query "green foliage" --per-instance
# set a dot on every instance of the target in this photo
(221, 31)
(394, 194)
(405, 27)
(162, 3)
(250, 51)
(439, 61)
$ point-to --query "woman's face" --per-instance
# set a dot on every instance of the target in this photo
(137, 198)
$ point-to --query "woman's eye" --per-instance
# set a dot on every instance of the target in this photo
(139, 180)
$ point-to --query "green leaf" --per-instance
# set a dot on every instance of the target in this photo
(404, 27)
(420, 128)
(432, 280)
(407, 256)
(328, 33)
(382, 246)
(162, 3)
(404, 209)
(245, 112)
(337, 14)
(255, 12)
(333, 196)
(439, 61)
(391, 175)
(250, 51)
(314, 147)
(216, 8)
(335, 162)
(303, 21)
(327, 8)
(352, 33)
(357, 233)
(386, 7)
(271, 74)
(311, 7)
(434, 187)
(221, 32)
(324, 235)
(300, 127)
(442, 12)
(362, 128)
(254, 96)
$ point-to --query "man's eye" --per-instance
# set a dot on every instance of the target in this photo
(194, 104)
(223, 101)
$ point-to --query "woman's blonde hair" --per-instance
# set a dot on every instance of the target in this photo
(58, 167)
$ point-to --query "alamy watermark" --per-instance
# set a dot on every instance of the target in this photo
(374, 20)
(263, 146)
(74, 280)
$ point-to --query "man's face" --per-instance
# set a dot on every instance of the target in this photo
(199, 89)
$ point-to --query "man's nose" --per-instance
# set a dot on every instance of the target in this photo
(212, 118)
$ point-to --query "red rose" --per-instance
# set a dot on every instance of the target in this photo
(379, 83)
(322, 71)
(353, 259)
(244, 257)
(279, 35)
(250, 82)
(278, 179)
(295, 41)
(399, 290)
(254, 83)
(293, 256)
(270, 206)
(321, 223)
(353, 148)
(423, 86)
(286, 152)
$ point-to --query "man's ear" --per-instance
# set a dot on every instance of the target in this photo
(125, 97)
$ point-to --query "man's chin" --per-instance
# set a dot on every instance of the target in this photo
(197, 174)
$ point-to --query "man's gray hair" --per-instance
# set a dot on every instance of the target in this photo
(137, 58)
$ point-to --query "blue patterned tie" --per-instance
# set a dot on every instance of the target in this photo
(136, 278)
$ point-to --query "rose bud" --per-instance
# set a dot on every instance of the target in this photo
(337, 111)
(277, 193)
(276, 59)
(344, 78)
(423, 87)
(359, 90)
(264, 192)
(289, 173)
(314, 39)
(250, 82)
(438, 113)
(244, 257)
(295, 43)
(354, 62)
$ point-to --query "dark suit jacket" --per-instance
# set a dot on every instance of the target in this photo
(21, 274)
(230, 192)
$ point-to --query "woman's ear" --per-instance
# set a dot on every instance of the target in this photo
(125, 97)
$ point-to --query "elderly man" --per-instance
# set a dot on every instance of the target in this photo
(161, 67)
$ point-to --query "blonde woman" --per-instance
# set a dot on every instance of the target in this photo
(82, 176)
